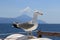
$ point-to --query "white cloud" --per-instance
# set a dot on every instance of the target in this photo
(27, 9)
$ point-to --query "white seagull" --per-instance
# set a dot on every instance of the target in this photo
(29, 26)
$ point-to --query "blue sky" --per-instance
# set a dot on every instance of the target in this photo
(50, 9)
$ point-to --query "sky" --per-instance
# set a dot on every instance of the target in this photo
(15, 8)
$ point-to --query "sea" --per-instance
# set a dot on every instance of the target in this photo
(7, 29)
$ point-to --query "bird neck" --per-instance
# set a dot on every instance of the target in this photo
(34, 20)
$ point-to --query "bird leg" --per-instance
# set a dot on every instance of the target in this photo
(29, 34)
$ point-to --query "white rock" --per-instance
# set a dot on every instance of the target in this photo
(14, 37)
(0, 39)
(23, 37)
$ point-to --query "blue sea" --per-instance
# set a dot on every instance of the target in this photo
(7, 28)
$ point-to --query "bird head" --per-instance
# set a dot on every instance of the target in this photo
(37, 12)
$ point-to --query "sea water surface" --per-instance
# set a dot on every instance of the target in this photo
(7, 28)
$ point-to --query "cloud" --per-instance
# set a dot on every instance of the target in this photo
(27, 9)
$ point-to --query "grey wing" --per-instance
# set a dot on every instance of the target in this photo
(26, 25)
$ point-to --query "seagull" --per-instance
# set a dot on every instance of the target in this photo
(29, 26)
